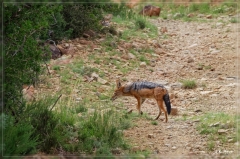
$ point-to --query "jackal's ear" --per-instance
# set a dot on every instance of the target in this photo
(118, 83)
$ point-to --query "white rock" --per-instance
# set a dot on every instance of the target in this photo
(193, 45)
(205, 92)
(143, 64)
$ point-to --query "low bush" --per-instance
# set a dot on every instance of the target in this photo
(102, 132)
(18, 138)
(140, 23)
(188, 84)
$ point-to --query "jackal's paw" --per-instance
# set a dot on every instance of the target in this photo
(141, 113)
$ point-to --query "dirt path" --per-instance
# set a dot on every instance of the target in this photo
(205, 52)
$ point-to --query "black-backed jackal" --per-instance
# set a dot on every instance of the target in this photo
(143, 90)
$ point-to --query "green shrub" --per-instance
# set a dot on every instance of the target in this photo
(234, 20)
(23, 53)
(82, 17)
(101, 131)
(120, 10)
(188, 84)
(154, 123)
(140, 23)
(53, 128)
(18, 138)
(56, 68)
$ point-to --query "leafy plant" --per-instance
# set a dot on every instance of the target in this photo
(140, 23)
(101, 132)
(154, 123)
(18, 138)
(23, 53)
(234, 20)
(57, 68)
(188, 84)
(210, 123)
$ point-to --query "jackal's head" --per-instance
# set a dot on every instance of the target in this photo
(118, 91)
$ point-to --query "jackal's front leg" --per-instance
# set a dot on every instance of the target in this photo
(139, 102)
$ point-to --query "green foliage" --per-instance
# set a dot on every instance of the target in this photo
(210, 123)
(18, 138)
(25, 25)
(101, 131)
(45, 126)
(118, 10)
(140, 23)
(82, 17)
(201, 8)
(52, 128)
(188, 84)
(84, 70)
(154, 122)
(56, 68)
(80, 108)
(234, 20)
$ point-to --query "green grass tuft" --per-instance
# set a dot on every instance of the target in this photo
(189, 84)
(210, 123)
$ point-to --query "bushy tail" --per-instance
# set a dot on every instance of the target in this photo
(167, 102)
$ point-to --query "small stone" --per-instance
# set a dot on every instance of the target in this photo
(230, 140)
(219, 24)
(94, 75)
(174, 147)
(215, 124)
(78, 99)
(190, 60)
(125, 57)
(200, 15)
(193, 45)
(131, 56)
(205, 92)
(199, 67)
(143, 64)
(160, 51)
(176, 85)
(222, 131)
(177, 15)
(197, 120)
(236, 143)
(190, 15)
(198, 110)
(209, 16)
(150, 136)
(102, 81)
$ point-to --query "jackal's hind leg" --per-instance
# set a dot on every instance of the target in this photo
(160, 106)
(158, 95)
(160, 112)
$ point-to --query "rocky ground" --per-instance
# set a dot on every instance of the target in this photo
(204, 51)
(208, 53)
